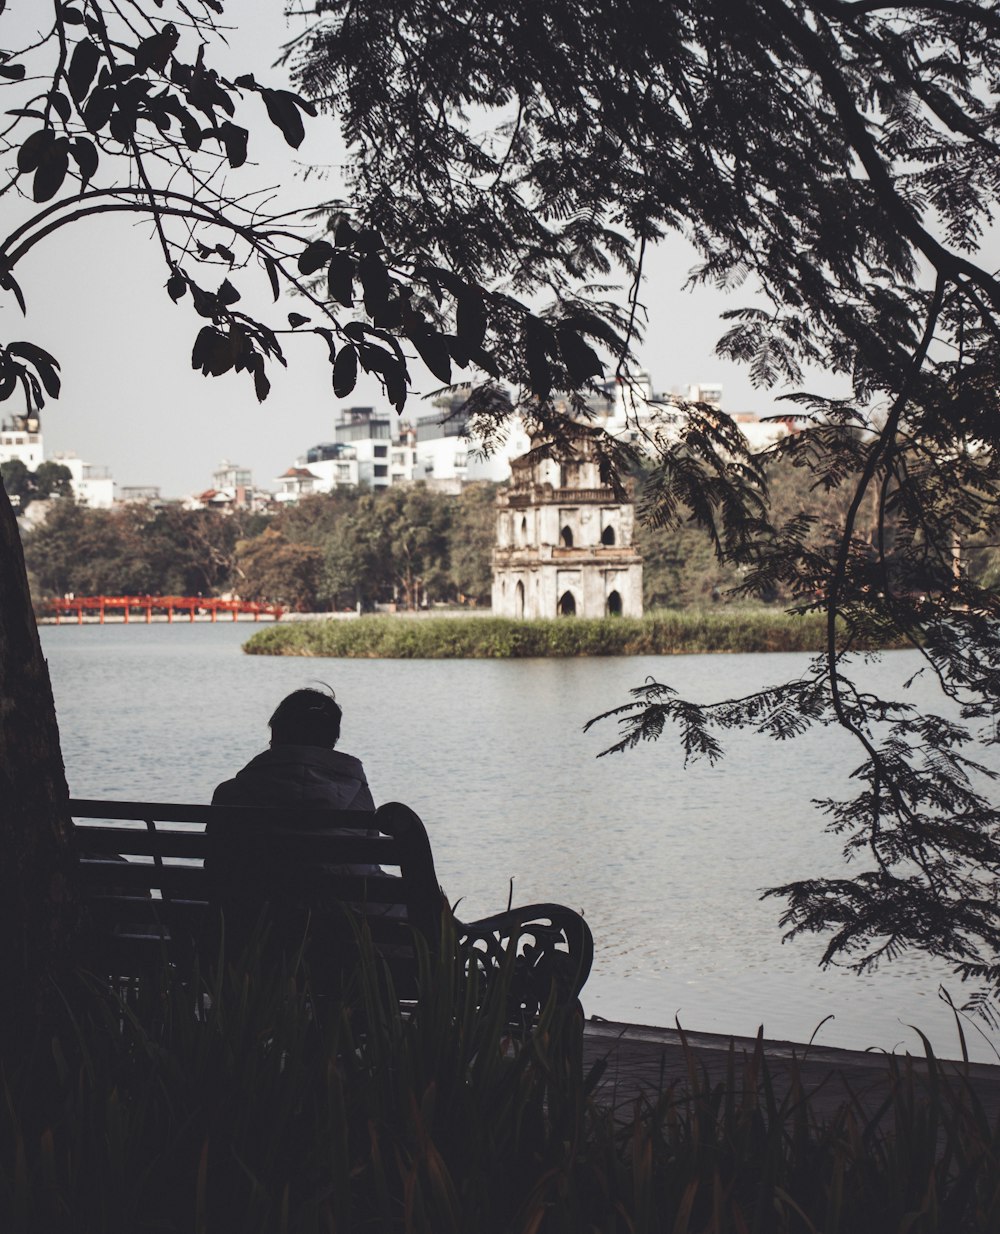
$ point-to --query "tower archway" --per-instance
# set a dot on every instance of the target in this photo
(567, 604)
(614, 606)
(566, 535)
(519, 599)
(608, 536)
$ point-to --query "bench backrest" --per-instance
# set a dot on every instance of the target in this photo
(154, 872)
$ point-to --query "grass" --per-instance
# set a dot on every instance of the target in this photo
(237, 1102)
(663, 633)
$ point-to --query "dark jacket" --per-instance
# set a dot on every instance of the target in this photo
(283, 775)
(306, 775)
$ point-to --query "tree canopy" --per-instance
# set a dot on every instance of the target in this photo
(834, 162)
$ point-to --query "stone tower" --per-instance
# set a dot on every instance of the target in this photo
(564, 543)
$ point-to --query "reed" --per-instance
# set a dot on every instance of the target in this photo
(238, 1100)
(436, 638)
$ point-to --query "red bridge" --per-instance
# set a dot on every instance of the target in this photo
(143, 607)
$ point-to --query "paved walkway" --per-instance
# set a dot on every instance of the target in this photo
(647, 1060)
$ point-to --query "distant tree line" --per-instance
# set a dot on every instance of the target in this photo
(410, 545)
(49, 479)
(331, 551)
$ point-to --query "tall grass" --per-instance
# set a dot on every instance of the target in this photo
(238, 1102)
(665, 633)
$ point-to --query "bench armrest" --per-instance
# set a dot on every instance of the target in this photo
(552, 947)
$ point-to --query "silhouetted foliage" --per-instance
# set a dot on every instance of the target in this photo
(49, 479)
(839, 162)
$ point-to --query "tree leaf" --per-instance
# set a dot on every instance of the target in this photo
(536, 338)
(296, 319)
(283, 108)
(368, 240)
(176, 286)
(71, 16)
(433, 350)
(99, 107)
(314, 256)
(470, 319)
(227, 293)
(46, 364)
(154, 52)
(60, 104)
(486, 361)
(214, 353)
(84, 153)
(122, 125)
(261, 383)
(580, 359)
(13, 72)
(344, 234)
(345, 371)
(272, 275)
(330, 344)
(52, 169)
(340, 278)
(234, 139)
(191, 132)
(82, 67)
(375, 281)
(33, 149)
(205, 303)
(9, 283)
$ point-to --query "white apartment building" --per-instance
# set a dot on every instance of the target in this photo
(21, 439)
(448, 454)
(369, 435)
(92, 486)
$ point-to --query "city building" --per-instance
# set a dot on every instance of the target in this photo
(233, 485)
(140, 495)
(564, 543)
(92, 486)
(297, 482)
(21, 439)
(334, 464)
(369, 435)
(448, 454)
(631, 411)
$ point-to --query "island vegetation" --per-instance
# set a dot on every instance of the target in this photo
(446, 638)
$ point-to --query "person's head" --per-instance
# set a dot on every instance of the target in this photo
(306, 718)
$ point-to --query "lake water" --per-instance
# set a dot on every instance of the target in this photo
(665, 863)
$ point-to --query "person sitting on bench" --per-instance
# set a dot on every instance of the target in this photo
(301, 766)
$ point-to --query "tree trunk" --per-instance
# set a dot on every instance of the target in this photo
(37, 905)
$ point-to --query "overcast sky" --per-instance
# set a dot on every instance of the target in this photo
(130, 400)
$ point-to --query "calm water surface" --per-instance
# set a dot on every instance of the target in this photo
(665, 863)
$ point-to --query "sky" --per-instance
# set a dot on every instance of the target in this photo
(130, 400)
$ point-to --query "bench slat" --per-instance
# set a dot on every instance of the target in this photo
(174, 842)
(101, 874)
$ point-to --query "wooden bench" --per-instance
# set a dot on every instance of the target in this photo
(155, 875)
